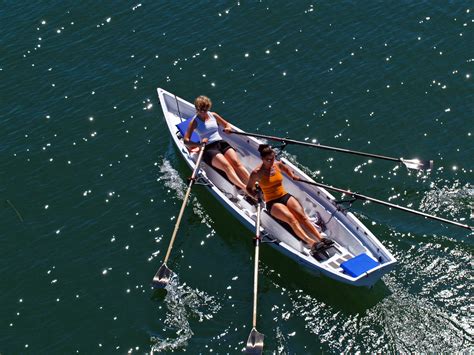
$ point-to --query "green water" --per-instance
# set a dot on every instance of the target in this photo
(91, 183)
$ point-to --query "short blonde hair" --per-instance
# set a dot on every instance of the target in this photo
(202, 103)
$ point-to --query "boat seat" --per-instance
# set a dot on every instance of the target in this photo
(183, 127)
(359, 265)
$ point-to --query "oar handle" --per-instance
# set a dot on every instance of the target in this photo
(388, 204)
(186, 196)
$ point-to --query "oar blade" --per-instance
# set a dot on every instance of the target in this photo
(255, 342)
(417, 164)
(162, 277)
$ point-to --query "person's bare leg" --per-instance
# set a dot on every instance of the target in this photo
(220, 162)
(281, 212)
(296, 208)
(239, 168)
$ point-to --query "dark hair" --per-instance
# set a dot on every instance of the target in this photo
(264, 150)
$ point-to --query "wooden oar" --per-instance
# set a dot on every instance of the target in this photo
(409, 163)
(255, 340)
(388, 204)
(163, 274)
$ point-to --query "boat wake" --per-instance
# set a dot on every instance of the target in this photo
(183, 304)
(453, 199)
(172, 180)
(432, 311)
(423, 317)
(417, 324)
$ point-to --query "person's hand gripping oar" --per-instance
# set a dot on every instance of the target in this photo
(255, 340)
(163, 274)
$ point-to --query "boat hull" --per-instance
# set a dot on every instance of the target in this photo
(351, 236)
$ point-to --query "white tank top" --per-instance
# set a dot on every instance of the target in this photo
(208, 129)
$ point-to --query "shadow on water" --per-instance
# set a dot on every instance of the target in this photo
(346, 298)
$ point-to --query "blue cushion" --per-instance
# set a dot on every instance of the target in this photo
(183, 127)
(358, 265)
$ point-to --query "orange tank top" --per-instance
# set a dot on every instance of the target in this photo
(272, 186)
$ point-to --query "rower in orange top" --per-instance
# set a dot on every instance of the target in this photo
(280, 204)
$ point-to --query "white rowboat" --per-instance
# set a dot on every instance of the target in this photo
(358, 257)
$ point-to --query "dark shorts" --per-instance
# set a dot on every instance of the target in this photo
(211, 150)
(284, 200)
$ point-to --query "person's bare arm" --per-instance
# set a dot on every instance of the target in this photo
(288, 171)
(222, 122)
(187, 135)
(251, 183)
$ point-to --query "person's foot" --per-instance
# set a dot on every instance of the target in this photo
(321, 246)
(318, 251)
(328, 242)
(317, 247)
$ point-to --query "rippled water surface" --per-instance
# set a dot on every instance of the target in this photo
(91, 183)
